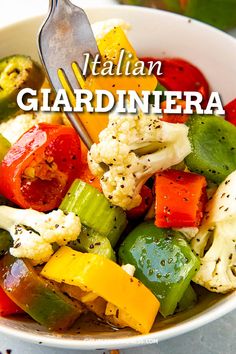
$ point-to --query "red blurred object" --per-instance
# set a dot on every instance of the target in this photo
(180, 75)
(230, 112)
(172, 117)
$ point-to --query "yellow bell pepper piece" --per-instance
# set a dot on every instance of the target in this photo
(92, 272)
(109, 47)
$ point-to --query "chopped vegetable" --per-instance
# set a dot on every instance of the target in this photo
(218, 261)
(7, 306)
(34, 232)
(230, 112)
(163, 262)
(4, 147)
(41, 299)
(124, 162)
(108, 280)
(92, 242)
(215, 241)
(213, 143)
(180, 199)
(16, 73)
(39, 168)
(139, 211)
(180, 75)
(94, 210)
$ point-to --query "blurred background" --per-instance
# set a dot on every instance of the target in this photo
(219, 13)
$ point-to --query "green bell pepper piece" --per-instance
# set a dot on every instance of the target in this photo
(213, 143)
(163, 262)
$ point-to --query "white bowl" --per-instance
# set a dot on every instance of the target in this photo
(154, 33)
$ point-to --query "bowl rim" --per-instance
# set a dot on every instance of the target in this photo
(216, 311)
(137, 340)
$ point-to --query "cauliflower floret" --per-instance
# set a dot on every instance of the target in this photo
(131, 149)
(33, 232)
(101, 28)
(216, 240)
(15, 127)
(29, 245)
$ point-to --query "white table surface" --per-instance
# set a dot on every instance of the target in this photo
(216, 338)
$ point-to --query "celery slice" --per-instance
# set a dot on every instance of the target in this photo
(92, 242)
(95, 211)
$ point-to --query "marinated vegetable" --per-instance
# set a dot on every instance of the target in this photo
(213, 143)
(68, 215)
(215, 241)
(39, 168)
(92, 207)
(180, 199)
(16, 73)
(34, 233)
(96, 273)
(92, 242)
(163, 262)
(39, 298)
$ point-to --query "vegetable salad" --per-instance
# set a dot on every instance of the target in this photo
(130, 228)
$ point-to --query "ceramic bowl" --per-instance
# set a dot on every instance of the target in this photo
(153, 33)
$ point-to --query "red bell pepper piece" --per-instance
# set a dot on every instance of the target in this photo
(39, 168)
(7, 306)
(180, 75)
(139, 211)
(230, 112)
(172, 117)
(180, 199)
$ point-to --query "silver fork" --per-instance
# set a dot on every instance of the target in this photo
(63, 39)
